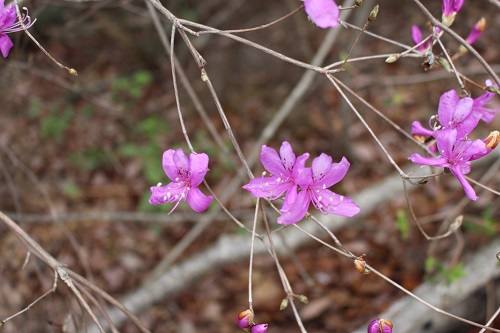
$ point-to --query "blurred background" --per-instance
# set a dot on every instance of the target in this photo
(78, 155)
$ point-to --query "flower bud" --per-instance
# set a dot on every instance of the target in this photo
(391, 59)
(261, 328)
(360, 265)
(492, 140)
(284, 303)
(245, 318)
(380, 325)
(373, 14)
(303, 299)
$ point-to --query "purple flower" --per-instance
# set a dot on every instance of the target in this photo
(456, 155)
(380, 325)
(9, 24)
(284, 169)
(186, 175)
(324, 13)
(314, 183)
(416, 35)
(477, 31)
(450, 9)
(480, 103)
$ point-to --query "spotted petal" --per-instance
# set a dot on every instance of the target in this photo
(268, 187)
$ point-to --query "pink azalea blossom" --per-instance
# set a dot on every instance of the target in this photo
(324, 13)
(456, 155)
(314, 183)
(453, 112)
(9, 24)
(480, 108)
(380, 325)
(186, 175)
(284, 170)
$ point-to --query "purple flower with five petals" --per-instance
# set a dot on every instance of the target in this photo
(186, 175)
(284, 170)
(314, 183)
(480, 103)
(456, 155)
(324, 13)
(9, 24)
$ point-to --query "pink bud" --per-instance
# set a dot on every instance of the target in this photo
(380, 325)
(261, 328)
(245, 318)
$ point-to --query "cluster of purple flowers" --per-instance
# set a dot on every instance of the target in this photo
(457, 118)
(9, 24)
(288, 174)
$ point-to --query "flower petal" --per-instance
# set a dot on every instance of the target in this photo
(469, 191)
(168, 164)
(446, 109)
(287, 157)
(268, 187)
(321, 165)
(296, 212)
(271, 161)
(181, 162)
(300, 165)
(331, 203)
(198, 164)
(418, 129)
(434, 161)
(475, 150)
(198, 201)
(336, 173)
(324, 13)
(8, 17)
(168, 193)
(446, 140)
(5, 45)
(291, 196)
